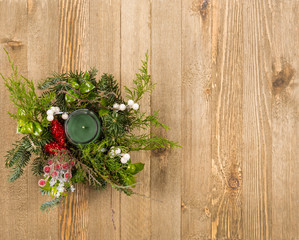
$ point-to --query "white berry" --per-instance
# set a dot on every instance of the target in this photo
(50, 118)
(117, 151)
(123, 160)
(65, 116)
(57, 109)
(116, 106)
(130, 102)
(50, 112)
(126, 157)
(53, 109)
(122, 107)
(135, 106)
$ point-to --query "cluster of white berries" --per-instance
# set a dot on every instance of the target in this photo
(55, 110)
(123, 107)
(125, 157)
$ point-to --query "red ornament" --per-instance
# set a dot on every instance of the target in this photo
(59, 135)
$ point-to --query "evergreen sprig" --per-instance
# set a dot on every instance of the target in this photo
(96, 164)
(47, 206)
(19, 157)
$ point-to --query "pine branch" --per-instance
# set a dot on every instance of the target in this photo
(38, 166)
(47, 206)
(18, 157)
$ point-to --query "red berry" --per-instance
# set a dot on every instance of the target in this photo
(65, 166)
(42, 182)
(47, 169)
(67, 175)
(57, 166)
(54, 174)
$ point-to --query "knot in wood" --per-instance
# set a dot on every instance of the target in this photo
(282, 79)
(278, 82)
(233, 183)
(159, 151)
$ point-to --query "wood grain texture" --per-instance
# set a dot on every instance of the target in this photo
(196, 119)
(73, 54)
(257, 114)
(42, 61)
(104, 25)
(227, 85)
(166, 164)
(14, 222)
(227, 120)
(135, 41)
(283, 17)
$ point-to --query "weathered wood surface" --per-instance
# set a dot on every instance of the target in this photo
(227, 85)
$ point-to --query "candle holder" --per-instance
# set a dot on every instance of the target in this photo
(82, 127)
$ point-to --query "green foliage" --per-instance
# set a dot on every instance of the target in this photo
(110, 88)
(95, 163)
(146, 142)
(18, 157)
(37, 166)
(47, 206)
(142, 83)
(23, 96)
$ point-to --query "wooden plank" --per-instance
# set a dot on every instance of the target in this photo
(135, 41)
(166, 72)
(283, 16)
(257, 160)
(14, 222)
(227, 119)
(73, 55)
(42, 61)
(196, 119)
(104, 206)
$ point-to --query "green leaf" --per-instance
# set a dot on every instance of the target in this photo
(21, 113)
(86, 87)
(139, 166)
(86, 76)
(103, 111)
(27, 128)
(69, 98)
(75, 85)
(135, 168)
(47, 187)
(104, 102)
(130, 180)
(53, 191)
(37, 129)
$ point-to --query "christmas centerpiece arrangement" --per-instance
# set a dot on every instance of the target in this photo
(80, 130)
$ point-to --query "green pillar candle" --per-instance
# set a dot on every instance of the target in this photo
(82, 127)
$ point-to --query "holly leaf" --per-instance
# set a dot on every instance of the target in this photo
(86, 87)
(75, 85)
(103, 111)
(69, 98)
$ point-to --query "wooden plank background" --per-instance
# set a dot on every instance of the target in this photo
(227, 85)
